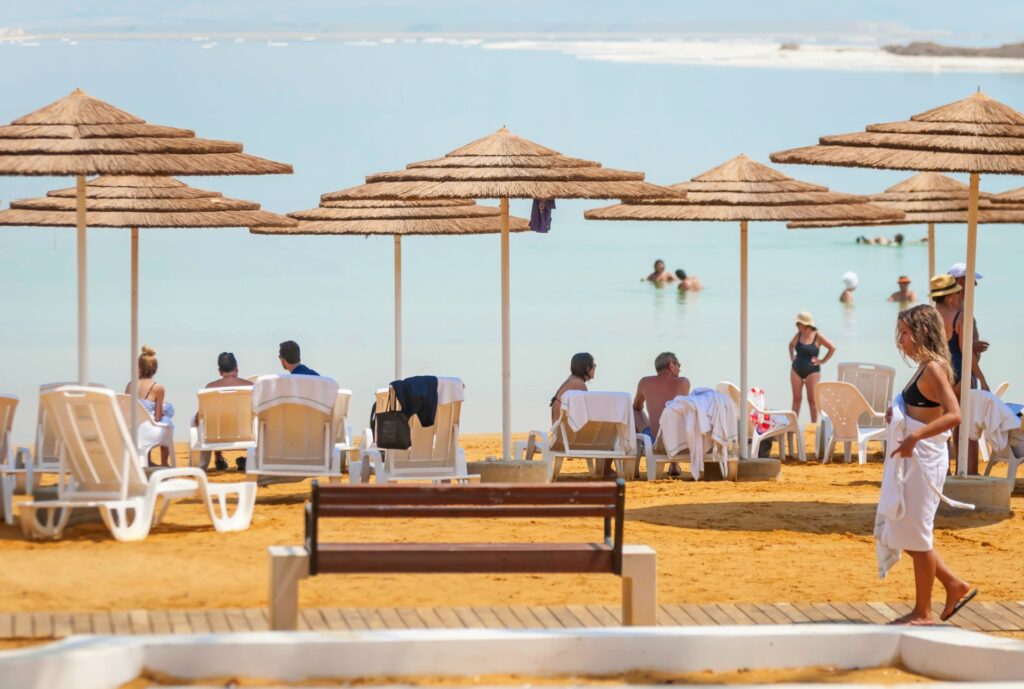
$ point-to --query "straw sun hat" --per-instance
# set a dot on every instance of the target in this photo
(941, 285)
(805, 318)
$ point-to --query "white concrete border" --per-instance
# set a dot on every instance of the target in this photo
(97, 662)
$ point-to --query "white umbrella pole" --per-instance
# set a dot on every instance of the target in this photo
(744, 382)
(968, 329)
(931, 251)
(398, 307)
(506, 327)
(135, 331)
(83, 323)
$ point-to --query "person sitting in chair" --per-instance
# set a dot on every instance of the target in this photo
(654, 392)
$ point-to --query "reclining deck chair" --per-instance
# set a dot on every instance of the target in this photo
(875, 382)
(15, 469)
(295, 429)
(46, 457)
(680, 421)
(852, 420)
(105, 472)
(225, 423)
(434, 455)
(343, 445)
(596, 426)
(785, 425)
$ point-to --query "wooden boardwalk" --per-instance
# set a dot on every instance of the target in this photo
(980, 615)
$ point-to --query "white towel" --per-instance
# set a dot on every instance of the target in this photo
(582, 406)
(450, 390)
(318, 392)
(990, 415)
(911, 491)
(686, 420)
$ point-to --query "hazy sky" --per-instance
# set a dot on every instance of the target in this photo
(980, 21)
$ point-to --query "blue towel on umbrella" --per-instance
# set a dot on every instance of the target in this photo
(540, 216)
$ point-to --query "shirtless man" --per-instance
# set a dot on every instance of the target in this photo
(688, 283)
(660, 274)
(904, 295)
(227, 366)
(654, 392)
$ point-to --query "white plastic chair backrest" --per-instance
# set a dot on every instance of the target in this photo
(1001, 389)
(295, 434)
(142, 414)
(47, 454)
(433, 448)
(339, 416)
(602, 436)
(875, 383)
(733, 392)
(8, 405)
(95, 445)
(844, 404)
(226, 415)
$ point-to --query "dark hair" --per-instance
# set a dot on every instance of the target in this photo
(226, 362)
(581, 364)
(681, 274)
(289, 351)
(898, 238)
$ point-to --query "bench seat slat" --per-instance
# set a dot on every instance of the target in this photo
(449, 511)
(464, 557)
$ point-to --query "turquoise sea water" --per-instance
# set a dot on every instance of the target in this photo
(338, 112)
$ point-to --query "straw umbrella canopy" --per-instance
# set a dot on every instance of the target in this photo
(1014, 197)
(79, 135)
(975, 135)
(930, 198)
(139, 202)
(743, 190)
(503, 166)
(398, 218)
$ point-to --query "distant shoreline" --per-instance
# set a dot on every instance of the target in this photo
(930, 49)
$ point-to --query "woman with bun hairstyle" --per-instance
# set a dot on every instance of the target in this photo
(151, 396)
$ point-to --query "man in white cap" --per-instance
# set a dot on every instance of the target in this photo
(959, 273)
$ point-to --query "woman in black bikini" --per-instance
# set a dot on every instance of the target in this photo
(804, 349)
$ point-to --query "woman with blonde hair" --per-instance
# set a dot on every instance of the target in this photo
(919, 424)
(151, 396)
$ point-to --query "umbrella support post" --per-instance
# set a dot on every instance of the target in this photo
(968, 329)
(132, 353)
(931, 251)
(398, 307)
(506, 327)
(83, 302)
(744, 382)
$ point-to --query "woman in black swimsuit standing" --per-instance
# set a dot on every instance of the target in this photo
(804, 349)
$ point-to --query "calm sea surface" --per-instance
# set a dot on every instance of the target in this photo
(338, 112)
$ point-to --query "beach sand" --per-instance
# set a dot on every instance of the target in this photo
(804, 538)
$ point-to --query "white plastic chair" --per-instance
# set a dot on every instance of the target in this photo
(595, 441)
(225, 422)
(785, 425)
(15, 471)
(850, 416)
(148, 432)
(654, 453)
(983, 442)
(343, 444)
(46, 457)
(295, 433)
(434, 455)
(875, 382)
(1007, 440)
(105, 472)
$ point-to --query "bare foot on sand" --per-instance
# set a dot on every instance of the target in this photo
(953, 595)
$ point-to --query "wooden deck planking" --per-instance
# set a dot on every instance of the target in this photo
(507, 617)
(733, 612)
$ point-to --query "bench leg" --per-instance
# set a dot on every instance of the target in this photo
(639, 586)
(288, 566)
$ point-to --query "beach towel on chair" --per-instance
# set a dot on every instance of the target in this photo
(583, 406)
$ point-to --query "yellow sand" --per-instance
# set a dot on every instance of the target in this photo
(806, 537)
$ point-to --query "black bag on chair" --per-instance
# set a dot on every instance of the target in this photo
(391, 427)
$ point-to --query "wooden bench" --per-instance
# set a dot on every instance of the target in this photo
(634, 563)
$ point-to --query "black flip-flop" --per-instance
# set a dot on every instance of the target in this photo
(960, 604)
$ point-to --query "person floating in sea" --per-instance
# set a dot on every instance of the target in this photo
(688, 283)
(850, 282)
(903, 295)
(805, 371)
(660, 274)
(919, 424)
(897, 240)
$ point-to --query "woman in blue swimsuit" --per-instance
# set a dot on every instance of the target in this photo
(804, 349)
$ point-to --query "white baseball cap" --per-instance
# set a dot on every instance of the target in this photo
(959, 270)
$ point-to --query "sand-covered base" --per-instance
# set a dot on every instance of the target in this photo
(806, 537)
(825, 675)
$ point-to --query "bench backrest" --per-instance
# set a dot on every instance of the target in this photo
(603, 499)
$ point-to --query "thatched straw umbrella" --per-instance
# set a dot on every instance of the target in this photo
(139, 202)
(398, 218)
(79, 135)
(974, 135)
(743, 190)
(1014, 197)
(503, 166)
(930, 198)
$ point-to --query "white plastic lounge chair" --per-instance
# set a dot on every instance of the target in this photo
(225, 423)
(343, 445)
(983, 441)
(15, 471)
(993, 420)
(46, 458)
(851, 419)
(296, 428)
(785, 425)
(605, 432)
(714, 442)
(434, 455)
(875, 382)
(105, 472)
(148, 432)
